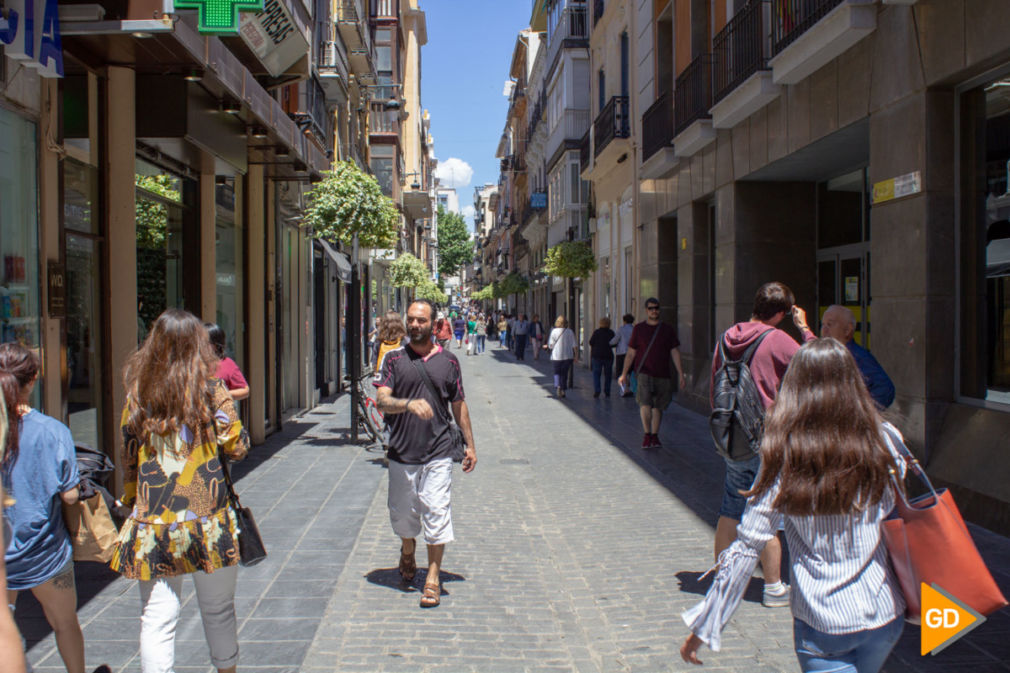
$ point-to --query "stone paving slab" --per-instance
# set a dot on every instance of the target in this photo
(576, 551)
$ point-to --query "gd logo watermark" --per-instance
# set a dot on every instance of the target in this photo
(944, 619)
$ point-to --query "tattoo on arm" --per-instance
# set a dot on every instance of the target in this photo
(388, 404)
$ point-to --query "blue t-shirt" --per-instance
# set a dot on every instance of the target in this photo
(46, 465)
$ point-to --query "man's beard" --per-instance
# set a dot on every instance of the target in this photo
(419, 336)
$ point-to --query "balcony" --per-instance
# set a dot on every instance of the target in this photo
(566, 134)
(658, 155)
(808, 34)
(585, 153)
(382, 121)
(692, 100)
(352, 25)
(386, 9)
(612, 122)
(742, 81)
(571, 31)
(611, 131)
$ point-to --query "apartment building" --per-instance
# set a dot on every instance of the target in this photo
(855, 150)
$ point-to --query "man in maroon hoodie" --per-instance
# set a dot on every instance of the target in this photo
(773, 302)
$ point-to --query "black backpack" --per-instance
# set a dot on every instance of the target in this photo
(737, 418)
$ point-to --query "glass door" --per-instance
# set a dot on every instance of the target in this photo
(843, 278)
(85, 314)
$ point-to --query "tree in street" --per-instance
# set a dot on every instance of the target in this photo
(349, 201)
(454, 245)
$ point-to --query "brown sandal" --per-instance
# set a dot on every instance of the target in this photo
(432, 595)
(408, 567)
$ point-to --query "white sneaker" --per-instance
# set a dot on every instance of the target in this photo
(776, 599)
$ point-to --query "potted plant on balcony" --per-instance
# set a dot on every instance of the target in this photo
(349, 201)
(570, 259)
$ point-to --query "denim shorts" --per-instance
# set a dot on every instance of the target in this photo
(740, 475)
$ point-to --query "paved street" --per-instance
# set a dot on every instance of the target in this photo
(576, 551)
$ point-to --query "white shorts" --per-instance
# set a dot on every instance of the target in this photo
(419, 498)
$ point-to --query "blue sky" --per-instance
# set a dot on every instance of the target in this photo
(464, 68)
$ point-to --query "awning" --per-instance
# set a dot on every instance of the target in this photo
(340, 259)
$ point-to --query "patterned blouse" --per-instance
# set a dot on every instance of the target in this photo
(181, 520)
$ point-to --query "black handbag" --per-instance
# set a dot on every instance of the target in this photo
(251, 549)
(455, 433)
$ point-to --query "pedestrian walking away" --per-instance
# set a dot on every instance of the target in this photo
(471, 334)
(621, 351)
(564, 351)
(601, 355)
(392, 335)
(522, 333)
(181, 522)
(421, 445)
(39, 475)
(653, 344)
(839, 323)
(536, 335)
(772, 303)
(459, 329)
(227, 370)
(480, 331)
(827, 466)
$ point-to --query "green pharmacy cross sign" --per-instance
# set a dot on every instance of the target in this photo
(219, 16)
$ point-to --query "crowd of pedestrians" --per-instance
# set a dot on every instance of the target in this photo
(819, 471)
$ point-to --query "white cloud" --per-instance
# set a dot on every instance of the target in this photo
(454, 173)
(468, 212)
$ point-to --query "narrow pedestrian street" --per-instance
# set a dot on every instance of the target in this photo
(576, 551)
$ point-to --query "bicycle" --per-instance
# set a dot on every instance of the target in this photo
(370, 419)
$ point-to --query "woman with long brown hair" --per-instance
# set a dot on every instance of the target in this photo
(827, 460)
(40, 474)
(177, 424)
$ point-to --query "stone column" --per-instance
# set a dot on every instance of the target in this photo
(120, 198)
(255, 317)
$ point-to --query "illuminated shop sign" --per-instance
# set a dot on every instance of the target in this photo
(273, 36)
(219, 16)
(30, 33)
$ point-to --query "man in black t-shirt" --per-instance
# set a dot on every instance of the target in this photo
(420, 443)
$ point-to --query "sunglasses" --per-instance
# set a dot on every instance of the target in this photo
(651, 308)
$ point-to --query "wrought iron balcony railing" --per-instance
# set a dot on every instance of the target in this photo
(612, 122)
(657, 126)
(792, 18)
(740, 49)
(693, 93)
(585, 151)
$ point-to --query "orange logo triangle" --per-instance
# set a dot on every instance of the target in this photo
(944, 619)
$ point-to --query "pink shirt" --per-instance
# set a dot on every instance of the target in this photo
(229, 372)
(770, 361)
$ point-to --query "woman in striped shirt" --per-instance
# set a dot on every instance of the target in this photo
(826, 464)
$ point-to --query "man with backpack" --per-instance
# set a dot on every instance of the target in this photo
(747, 368)
(652, 346)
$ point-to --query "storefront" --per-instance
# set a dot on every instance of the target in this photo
(20, 290)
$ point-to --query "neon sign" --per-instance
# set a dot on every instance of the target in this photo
(219, 16)
(30, 33)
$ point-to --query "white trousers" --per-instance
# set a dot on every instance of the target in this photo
(161, 603)
(420, 499)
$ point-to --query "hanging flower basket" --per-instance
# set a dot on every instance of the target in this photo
(570, 259)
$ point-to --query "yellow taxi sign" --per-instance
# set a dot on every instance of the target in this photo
(944, 619)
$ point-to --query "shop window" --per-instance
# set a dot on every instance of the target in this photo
(229, 270)
(19, 234)
(161, 211)
(985, 242)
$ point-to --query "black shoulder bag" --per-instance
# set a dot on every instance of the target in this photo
(455, 433)
(251, 549)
